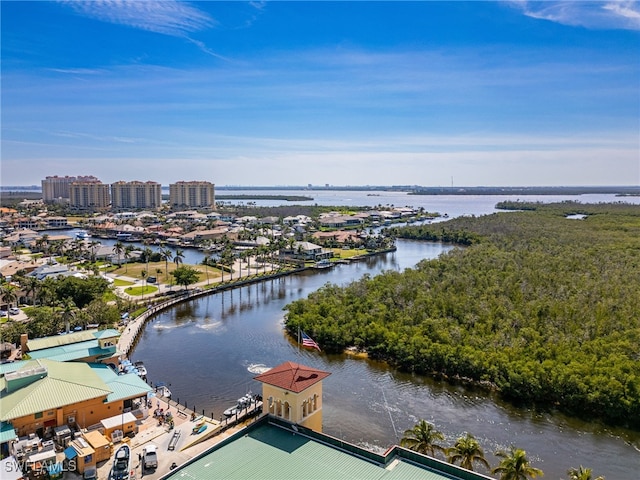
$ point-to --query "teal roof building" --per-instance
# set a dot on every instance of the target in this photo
(273, 448)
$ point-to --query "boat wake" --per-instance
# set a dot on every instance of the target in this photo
(258, 368)
(210, 326)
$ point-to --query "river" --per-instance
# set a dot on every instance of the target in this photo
(210, 349)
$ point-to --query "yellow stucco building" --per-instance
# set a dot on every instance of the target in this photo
(294, 392)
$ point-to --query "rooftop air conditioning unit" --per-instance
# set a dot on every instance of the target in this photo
(71, 419)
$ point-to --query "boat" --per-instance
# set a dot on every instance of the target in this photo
(142, 370)
(162, 390)
(124, 237)
(121, 469)
(200, 429)
(241, 404)
(82, 235)
(324, 263)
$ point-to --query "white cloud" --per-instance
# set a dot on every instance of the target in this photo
(168, 17)
(611, 14)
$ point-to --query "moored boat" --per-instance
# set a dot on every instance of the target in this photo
(142, 370)
(82, 235)
(162, 390)
(241, 404)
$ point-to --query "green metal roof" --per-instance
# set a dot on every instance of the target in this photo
(272, 449)
(65, 384)
(7, 433)
(58, 340)
(75, 351)
(69, 339)
(122, 387)
(108, 333)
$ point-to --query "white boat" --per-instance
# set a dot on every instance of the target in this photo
(121, 469)
(82, 235)
(162, 390)
(142, 370)
(241, 404)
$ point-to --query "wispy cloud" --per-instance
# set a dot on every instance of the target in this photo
(596, 14)
(168, 17)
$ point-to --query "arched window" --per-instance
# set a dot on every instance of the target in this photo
(287, 411)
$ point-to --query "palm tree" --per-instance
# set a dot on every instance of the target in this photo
(167, 255)
(144, 274)
(423, 438)
(68, 312)
(205, 262)
(581, 474)
(31, 286)
(118, 249)
(515, 465)
(178, 257)
(93, 245)
(8, 294)
(147, 252)
(467, 451)
(127, 255)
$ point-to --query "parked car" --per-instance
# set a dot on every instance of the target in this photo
(14, 311)
(152, 279)
(150, 457)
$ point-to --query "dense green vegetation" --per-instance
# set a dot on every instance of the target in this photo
(58, 304)
(542, 308)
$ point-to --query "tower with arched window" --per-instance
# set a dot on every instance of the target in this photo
(294, 392)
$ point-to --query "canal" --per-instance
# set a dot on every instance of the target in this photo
(210, 349)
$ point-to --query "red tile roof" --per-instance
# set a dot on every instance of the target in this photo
(292, 376)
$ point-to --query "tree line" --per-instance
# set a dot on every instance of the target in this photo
(542, 308)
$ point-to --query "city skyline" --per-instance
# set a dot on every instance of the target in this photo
(340, 93)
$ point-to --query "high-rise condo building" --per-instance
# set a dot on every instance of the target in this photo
(57, 189)
(136, 195)
(191, 195)
(93, 195)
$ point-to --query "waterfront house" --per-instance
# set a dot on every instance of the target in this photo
(57, 222)
(338, 237)
(306, 251)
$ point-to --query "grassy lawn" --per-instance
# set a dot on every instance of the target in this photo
(157, 269)
(140, 290)
(354, 252)
(121, 283)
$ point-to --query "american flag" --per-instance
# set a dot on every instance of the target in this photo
(307, 341)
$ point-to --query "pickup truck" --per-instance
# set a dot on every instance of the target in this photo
(150, 457)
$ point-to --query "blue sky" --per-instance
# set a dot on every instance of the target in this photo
(344, 93)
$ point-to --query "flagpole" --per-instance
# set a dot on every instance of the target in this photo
(298, 337)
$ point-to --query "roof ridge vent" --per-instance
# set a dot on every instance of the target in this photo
(21, 378)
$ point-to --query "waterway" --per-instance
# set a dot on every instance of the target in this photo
(210, 349)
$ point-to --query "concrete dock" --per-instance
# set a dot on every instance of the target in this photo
(188, 446)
